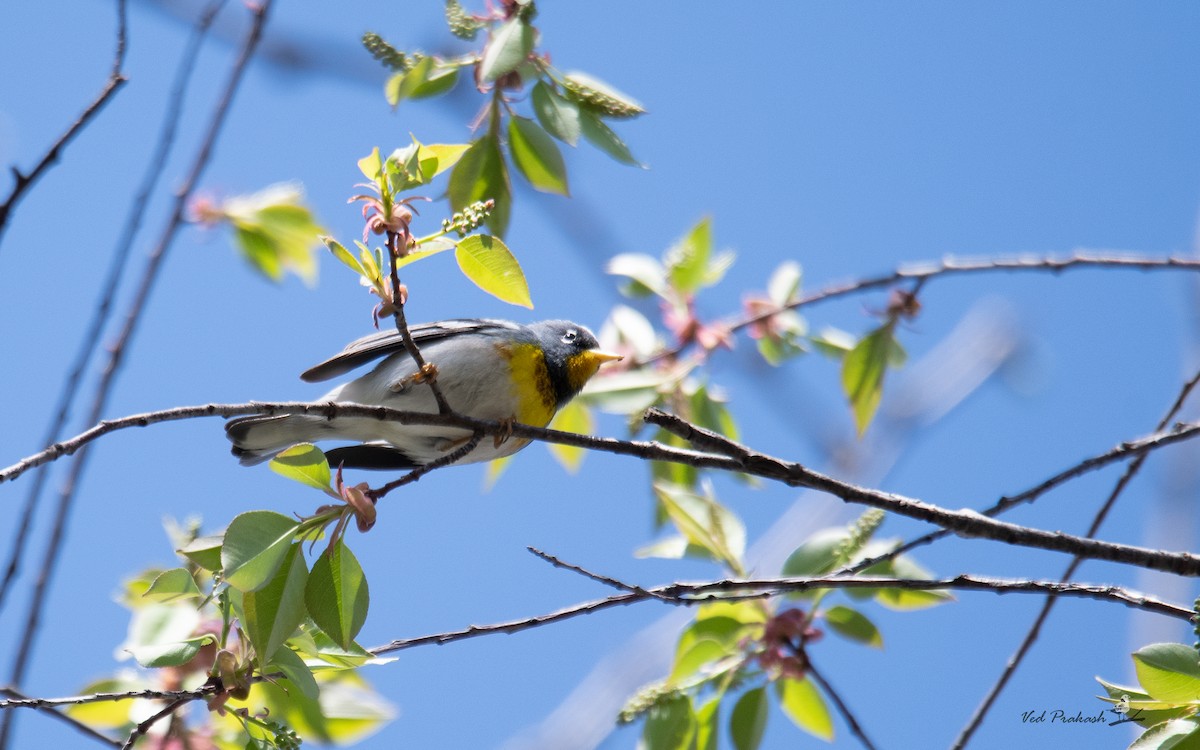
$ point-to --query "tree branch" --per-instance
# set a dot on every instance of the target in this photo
(47, 709)
(117, 352)
(963, 522)
(116, 79)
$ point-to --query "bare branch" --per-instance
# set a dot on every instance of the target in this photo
(842, 707)
(140, 730)
(598, 577)
(452, 457)
(117, 352)
(47, 709)
(966, 523)
(92, 336)
(1014, 662)
(116, 79)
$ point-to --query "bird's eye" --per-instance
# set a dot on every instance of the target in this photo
(569, 337)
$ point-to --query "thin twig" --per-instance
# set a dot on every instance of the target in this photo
(428, 372)
(951, 266)
(117, 353)
(1014, 662)
(598, 577)
(116, 79)
(963, 522)
(71, 721)
(140, 730)
(450, 458)
(92, 336)
(842, 707)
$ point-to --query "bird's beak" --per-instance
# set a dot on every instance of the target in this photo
(600, 356)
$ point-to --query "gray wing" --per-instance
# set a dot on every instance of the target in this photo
(377, 345)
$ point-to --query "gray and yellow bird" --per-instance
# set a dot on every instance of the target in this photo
(487, 369)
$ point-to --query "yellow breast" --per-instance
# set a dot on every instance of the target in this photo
(531, 384)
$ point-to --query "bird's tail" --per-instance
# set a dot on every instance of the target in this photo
(258, 439)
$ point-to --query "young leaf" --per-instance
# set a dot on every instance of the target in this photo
(170, 654)
(275, 231)
(255, 546)
(704, 522)
(805, 706)
(507, 49)
(488, 262)
(536, 156)
(481, 174)
(852, 624)
(558, 115)
(577, 418)
(687, 261)
(670, 725)
(336, 595)
(1168, 672)
(708, 722)
(863, 371)
(907, 599)
(749, 719)
(205, 551)
(171, 585)
(304, 463)
(436, 158)
(647, 273)
(784, 283)
(1180, 733)
(371, 164)
(273, 612)
(602, 137)
(341, 253)
(416, 79)
(696, 655)
(295, 671)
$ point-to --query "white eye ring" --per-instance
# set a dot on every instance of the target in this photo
(569, 336)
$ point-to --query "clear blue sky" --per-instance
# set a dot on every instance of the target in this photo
(850, 137)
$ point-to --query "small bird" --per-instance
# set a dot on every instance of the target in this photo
(487, 369)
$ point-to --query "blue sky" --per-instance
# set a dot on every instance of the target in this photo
(849, 137)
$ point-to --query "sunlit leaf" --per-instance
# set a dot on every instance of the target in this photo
(1168, 671)
(805, 706)
(205, 551)
(255, 545)
(854, 625)
(273, 612)
(748, 721)
(488, 262)
(602, 137)
(862, 373)
(371, 164)
(337, 595)
(507, 49)
(295, 671)
(649, 275)
(558, 115)
(304, 463)
(708, 723)
(482, 174)
(536, 156)
(170, 654)
(171, 585)
(704, 522)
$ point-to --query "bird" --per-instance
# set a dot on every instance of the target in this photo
(487, 369)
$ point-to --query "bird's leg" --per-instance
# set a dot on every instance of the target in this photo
(506, 430)
(427, 374)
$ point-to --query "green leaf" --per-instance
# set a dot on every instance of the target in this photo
(749, 719)
(479, 175)
(687, 260)
(833, 342)
(255, 545)
(436, 158)
(1143, 709)
(805, 706)
(342, 254)
(295, 671)
(160, 624)
(670, 548)
(816, 555)
(852, 624)
(623, 393)
(371, 165)
(670, 725)
(863, 371)
(909, 599)
(273, 612)
(425, 250)
(336, 595)
(1168, 671)
(602, 137)
(785, 283)
(558, 115)
(708, 722)
(170, 654)
(577, 418)
(488, 262)
(648, 274)
(696, 655)
(171, 585)
(704, 522)
(205, 551)
(275, 232)
(425, 79)
(508, 48)
(304, 463)
(536, 156)
(1181, 734)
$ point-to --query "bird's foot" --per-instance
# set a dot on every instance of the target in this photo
(506, 430)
